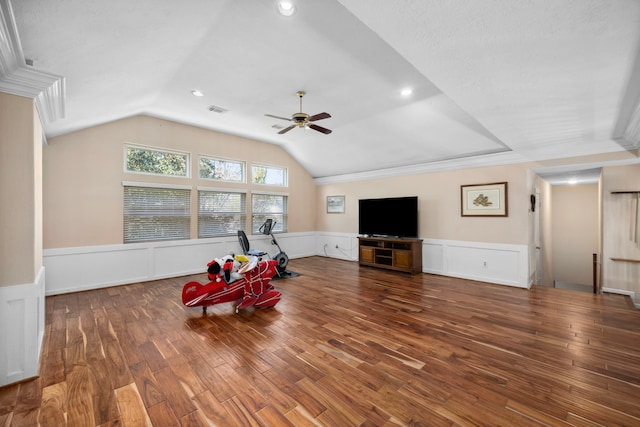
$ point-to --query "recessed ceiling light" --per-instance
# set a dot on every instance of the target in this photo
(406, 91)
(572, 181)
(196, 93)
(286, 8)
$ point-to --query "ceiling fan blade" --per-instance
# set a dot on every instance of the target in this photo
(287, 129)
(277, 117)
(319, 116)
(319, 128)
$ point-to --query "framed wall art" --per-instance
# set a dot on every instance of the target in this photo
(484, 199)
(335, 204)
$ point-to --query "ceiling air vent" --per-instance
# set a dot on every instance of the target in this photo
(215, 109)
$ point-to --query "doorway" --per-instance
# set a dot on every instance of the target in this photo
(570, 226)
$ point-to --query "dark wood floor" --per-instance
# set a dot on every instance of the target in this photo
(346, 346)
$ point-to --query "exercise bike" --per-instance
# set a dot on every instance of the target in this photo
(281, 257)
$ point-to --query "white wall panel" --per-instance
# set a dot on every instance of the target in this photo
(433, 257)
(503, 264)
(347, 245)
(75, 269)
(188, 258)
(21, 330)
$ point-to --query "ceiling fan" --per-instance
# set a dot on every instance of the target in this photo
(303, 120)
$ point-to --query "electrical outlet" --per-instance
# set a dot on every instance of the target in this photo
(484, 264)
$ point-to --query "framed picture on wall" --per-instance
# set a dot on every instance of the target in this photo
(335, 204)
(484, 199)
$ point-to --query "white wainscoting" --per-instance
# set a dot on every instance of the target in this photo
(21, 329)
(337, 245)
(503, 264)
(93, 267)
(77, 269)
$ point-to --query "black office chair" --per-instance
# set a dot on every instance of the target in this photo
(244, 244)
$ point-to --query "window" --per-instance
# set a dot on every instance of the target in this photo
(159, 162)
(220, 213)
(269, 175)
(154, 213)
(265, 206)
(222, 170)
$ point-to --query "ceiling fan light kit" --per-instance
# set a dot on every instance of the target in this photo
(303, 120)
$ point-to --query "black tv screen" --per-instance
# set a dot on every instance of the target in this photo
(389, 217)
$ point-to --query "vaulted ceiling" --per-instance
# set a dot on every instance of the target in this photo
(492, 81)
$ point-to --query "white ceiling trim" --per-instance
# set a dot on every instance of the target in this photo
(16, 78)
(432, 167)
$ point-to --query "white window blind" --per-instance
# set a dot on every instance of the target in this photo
(152, 214)
(265, 206)
(220, 213)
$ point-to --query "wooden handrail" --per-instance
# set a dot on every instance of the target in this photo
(625, 260)
(595, 273)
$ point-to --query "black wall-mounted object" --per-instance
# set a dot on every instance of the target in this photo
(533, 202)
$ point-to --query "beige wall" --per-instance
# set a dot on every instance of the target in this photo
(20, 190)
(619, 218)
(439, 204)
(575, 229)
(543, 188)
(84, 171)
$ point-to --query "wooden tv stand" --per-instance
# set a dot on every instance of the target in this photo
(393, 254)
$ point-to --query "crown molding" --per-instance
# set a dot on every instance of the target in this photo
(497, 159)
(631, 136)
(16, 78)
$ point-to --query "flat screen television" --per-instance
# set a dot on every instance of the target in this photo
(388, 217)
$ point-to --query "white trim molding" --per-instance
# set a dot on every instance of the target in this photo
(21, 329)
(495, 159)
(222, 190)
(630, 294)
(156, 185)
(16, 78)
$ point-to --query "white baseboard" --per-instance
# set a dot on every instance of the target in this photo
(21, 329)
(630, 294)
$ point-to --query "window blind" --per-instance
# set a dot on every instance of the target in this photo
(220, 213)
(265, 206)
(152, 214)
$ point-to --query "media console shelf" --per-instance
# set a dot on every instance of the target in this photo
(393, 254)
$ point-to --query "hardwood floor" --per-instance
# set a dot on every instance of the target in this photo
(346, 346)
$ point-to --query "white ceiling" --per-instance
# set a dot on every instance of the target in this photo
(537, 80)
